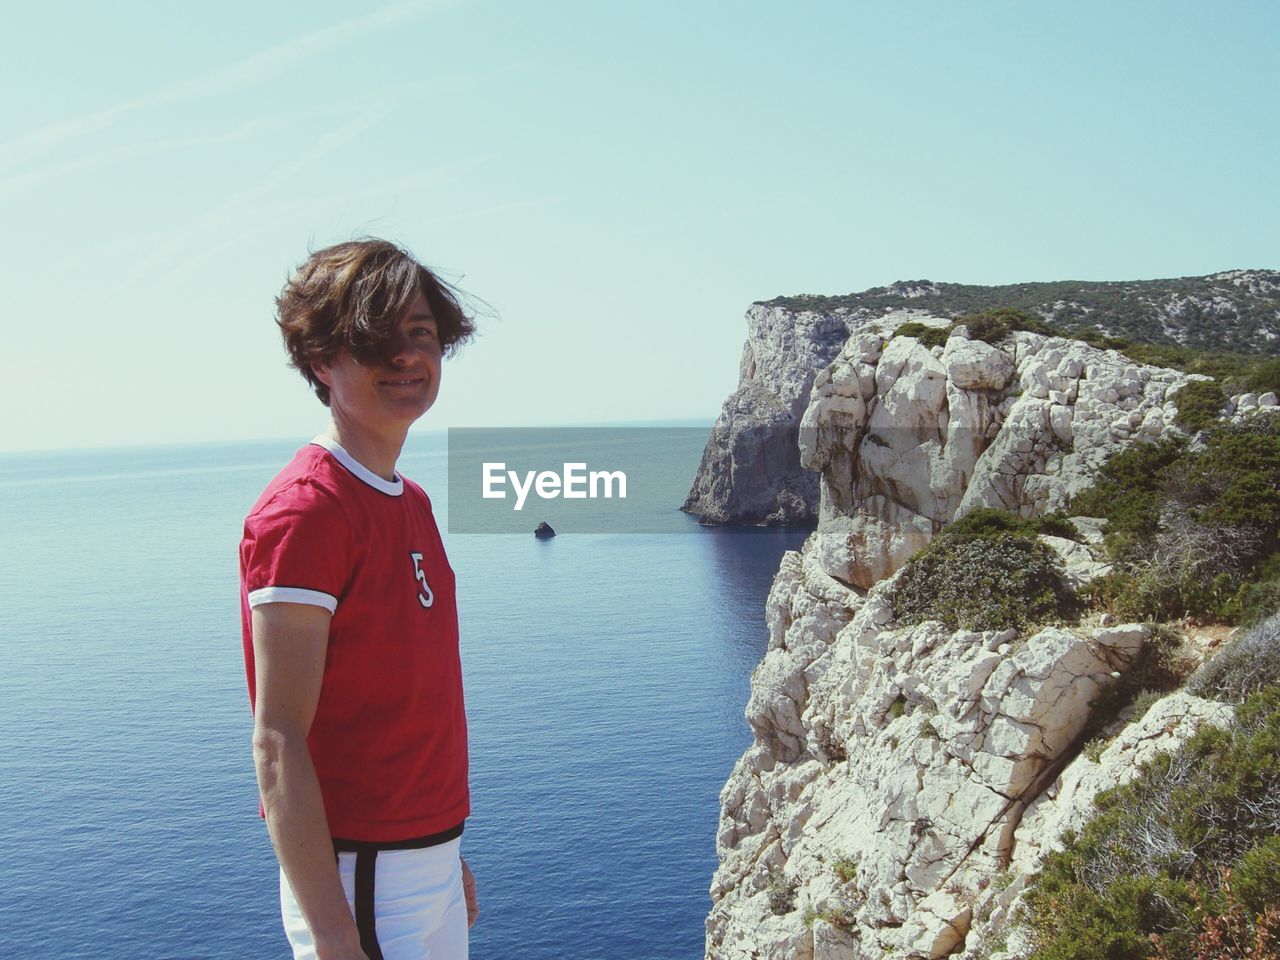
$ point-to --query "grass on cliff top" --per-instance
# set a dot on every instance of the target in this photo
(987, 571)
(1182, 863)
(1130, 311)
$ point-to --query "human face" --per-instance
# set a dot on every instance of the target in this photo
(381, 398)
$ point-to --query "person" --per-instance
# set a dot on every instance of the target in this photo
(350, 627)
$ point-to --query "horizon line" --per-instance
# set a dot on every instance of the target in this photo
(699, 421)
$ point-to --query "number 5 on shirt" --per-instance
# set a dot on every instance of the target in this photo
(426, 597)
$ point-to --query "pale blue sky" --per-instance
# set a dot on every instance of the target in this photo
(620, 181)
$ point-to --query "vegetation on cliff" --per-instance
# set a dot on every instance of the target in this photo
(986, 571)
(1193, 528)
(1234, 311)
(1182, 862)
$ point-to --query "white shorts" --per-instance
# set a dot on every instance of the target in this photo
(419, 908)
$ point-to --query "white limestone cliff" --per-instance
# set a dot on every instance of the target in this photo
(907, 438)
(896, 769)
(750, 472)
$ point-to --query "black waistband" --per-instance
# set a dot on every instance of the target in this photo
(414, 843)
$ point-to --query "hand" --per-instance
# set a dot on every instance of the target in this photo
(340, 948)
(469, 888)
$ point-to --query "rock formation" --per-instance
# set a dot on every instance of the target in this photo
(896, 768)
(906, 438)
(750, 471)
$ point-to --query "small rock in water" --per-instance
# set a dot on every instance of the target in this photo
(543, 531)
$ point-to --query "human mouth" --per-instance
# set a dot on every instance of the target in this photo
(406, 382)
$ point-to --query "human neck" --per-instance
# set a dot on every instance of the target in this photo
(375, 451)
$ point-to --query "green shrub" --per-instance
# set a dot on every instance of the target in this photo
(1101, 341)
(846, 868)
(987, 582)
(1127, 491)
(1220, 365)
(782, 893)
(1199, 404)
(1235, 480)
(987, 523)
(1257, 878)
(840, 916)
(992, 326)
(1226, 930)
(1248, 663)
(1190, 527)
(927, 335)
(1152, 858)
(1263, 378)
(1113, 925)
(1254, 600)
(1003, 879)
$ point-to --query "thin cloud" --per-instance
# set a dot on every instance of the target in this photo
(252, 70)
(496, 208)
(231, 210)
(275, 60)
(242, 220)
(20, 183)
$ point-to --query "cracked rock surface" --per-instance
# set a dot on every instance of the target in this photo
(906, 438)
(751, 472)
(896, 768)
(905, 756)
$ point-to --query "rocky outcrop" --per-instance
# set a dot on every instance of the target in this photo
(907, 438)
(1067, 805)
(751, 472)
(896, 769)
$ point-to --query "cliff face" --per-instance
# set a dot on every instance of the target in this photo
(750, 471)
(906, 438)
(895, 769)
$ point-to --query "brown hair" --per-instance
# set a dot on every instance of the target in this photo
(350, 295)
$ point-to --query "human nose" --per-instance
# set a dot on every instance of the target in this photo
(401, 350)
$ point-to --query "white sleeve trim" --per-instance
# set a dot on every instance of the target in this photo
(315, 598)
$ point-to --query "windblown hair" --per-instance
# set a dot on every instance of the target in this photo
(349, 296)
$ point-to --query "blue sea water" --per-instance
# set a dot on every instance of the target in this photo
(605, 680)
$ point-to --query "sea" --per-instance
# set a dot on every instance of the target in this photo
(605, 676)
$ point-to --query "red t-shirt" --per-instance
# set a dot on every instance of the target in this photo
(389, 737)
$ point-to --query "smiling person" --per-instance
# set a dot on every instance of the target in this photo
(351, 629)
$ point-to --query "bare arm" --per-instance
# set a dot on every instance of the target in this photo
(289, 644)
(469, 890)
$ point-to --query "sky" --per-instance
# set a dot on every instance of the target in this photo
(617, 182)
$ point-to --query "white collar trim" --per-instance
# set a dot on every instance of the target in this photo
(390, 487)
